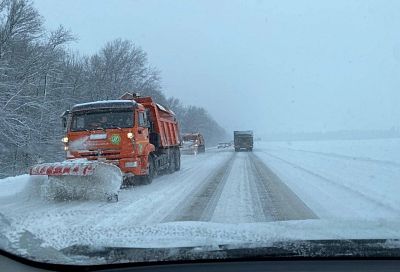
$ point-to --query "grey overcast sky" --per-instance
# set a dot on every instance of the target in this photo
(271, 66)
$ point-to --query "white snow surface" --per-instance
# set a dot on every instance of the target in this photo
(378, 150)
(340, 179)
(13, 185)
(352, 186)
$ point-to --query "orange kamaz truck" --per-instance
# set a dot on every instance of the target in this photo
(193, 143)
(134, 133)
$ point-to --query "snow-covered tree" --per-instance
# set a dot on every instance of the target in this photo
(40, 78)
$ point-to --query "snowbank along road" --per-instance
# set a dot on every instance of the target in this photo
(275, 183)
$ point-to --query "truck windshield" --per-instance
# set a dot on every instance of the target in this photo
(102, 120)
(189, 138)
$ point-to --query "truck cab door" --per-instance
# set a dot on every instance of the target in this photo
(142, 137)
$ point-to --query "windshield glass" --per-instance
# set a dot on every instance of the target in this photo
(190, 138)
(199, 129)
(102, 120)
(188, 143)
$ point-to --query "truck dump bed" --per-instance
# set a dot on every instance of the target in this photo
(248, 133)
(164, 131)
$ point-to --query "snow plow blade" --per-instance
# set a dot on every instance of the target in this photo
(60, 169)
(79, 179)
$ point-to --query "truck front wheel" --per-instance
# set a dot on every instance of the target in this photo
(147, 179)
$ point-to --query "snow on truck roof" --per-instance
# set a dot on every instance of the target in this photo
(243, 132)
(162, 108)
(121, 104)
(105, 104)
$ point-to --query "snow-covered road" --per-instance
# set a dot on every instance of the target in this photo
(240, 190)
(218, 186)
(277, 182)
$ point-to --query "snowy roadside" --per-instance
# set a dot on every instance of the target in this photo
(12, 185)
(385, 150)
(340, 179)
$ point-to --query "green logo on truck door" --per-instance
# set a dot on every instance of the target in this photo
(116, 139)
(140, 148)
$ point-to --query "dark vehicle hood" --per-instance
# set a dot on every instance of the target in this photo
(380, 248)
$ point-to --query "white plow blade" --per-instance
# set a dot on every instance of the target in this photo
(80, 180)
(66, 168)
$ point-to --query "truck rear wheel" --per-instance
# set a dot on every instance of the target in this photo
(177, 160)
(172, 160)
(147, 179)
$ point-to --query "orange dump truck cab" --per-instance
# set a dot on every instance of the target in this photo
(138, 135)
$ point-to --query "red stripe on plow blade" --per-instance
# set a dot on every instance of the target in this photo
(63, 170)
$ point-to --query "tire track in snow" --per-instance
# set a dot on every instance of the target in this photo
(348, 157)
(158, 200)
(243, 190)
(200, 205)
(335, 183)
(279, 202)
(241, 201)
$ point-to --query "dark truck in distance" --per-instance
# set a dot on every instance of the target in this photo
(243, 140)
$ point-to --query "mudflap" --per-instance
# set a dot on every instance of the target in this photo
(128, 182)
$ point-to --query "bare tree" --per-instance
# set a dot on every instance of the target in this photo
(119, 67)
(30, 79)
(19, 22)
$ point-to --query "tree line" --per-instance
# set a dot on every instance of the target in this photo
(40, 78)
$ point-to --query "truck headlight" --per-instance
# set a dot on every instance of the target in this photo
(65, 140)
(129, 135)
(131, 164)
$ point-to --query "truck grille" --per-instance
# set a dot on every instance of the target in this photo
(107, 154)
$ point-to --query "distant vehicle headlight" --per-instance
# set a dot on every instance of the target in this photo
(65, 140)
(129, 135)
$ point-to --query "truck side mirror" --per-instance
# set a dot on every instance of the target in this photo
(64, 122)
(147, 124)
(64, 118)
